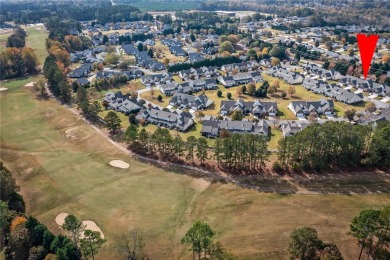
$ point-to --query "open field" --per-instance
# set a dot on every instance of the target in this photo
(59, 172)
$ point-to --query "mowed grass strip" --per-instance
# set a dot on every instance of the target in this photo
(36, 37)
(61, 165)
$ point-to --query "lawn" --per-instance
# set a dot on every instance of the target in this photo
(165, 53)
(60, 174)
(276, 135)
(304, 94)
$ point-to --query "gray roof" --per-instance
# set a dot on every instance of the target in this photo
(212, 127)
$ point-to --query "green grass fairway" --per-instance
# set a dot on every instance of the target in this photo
(36, 40)
(61, 164)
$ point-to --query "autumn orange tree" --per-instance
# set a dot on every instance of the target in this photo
(15, 62)
(17, 221)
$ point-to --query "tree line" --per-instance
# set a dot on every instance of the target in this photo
(57, 82)
(15, 62)
(241, 151)
(127, 39)
(338, 144)
(102, 11)
(328, 13)
(232, 151)
(219, 61)
(161, 143)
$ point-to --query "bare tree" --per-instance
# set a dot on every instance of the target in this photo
(40, 88)
(131, 244)
(152, 92)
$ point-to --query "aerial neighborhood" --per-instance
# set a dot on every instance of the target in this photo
(161, 63)
(182, 129)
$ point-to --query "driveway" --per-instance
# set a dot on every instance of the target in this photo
(139, 92)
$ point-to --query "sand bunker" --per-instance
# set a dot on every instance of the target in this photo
(3, 89)
(119, 164)
(60, 219)
(92, 226)
(31, 84)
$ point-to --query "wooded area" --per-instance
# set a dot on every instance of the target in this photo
(336, 144)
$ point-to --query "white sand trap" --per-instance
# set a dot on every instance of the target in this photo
(119, 164)
(3, 89)
(31, 84)
(60, 219)
(89, 224)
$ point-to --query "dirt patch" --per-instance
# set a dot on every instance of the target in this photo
(89, 224)
(119, 164)
(201, 184)
(60, 219)
(76, 133)
(3, 89)
(49, 114)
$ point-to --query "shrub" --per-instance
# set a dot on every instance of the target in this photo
(276, 167)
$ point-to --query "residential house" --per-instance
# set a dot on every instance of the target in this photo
(130, 49)
(189, 101)
(203, 72)
(82, 71)
(314, 70)
(177, 50)
(256, 108)
(169, 42)
(302, 108)
(210, 50)
(121, 103)
(212, 128)
(84, 82)
(180, 121)
(289, 77)
(242, 66)
(195, 57)
(156, 79)
(374, 118)
(188, 87)
(240, 78)
(290, 128)
(332, 91)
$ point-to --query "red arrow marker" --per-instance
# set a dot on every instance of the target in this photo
(367, 46)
